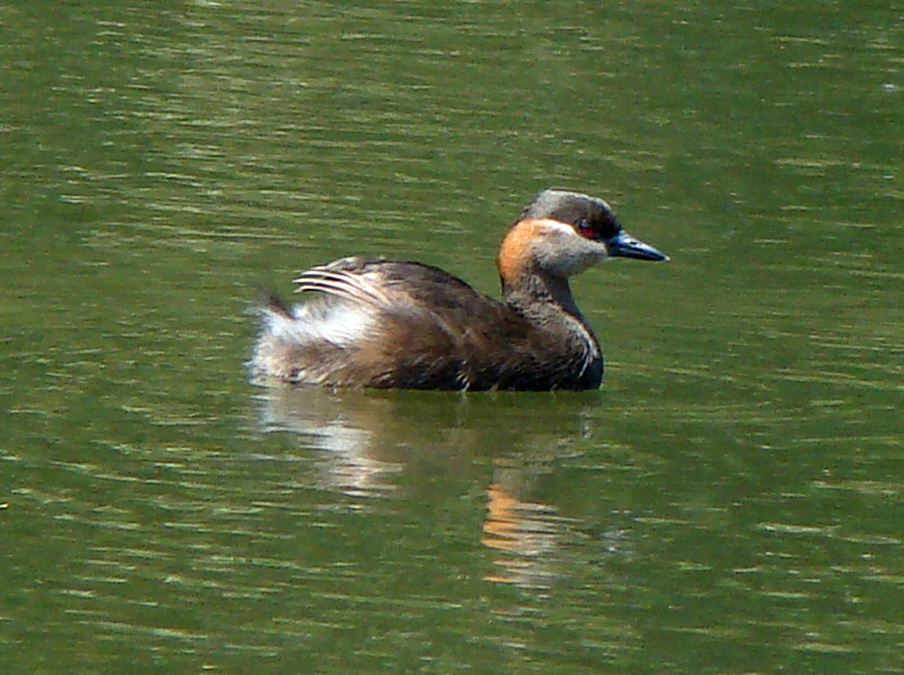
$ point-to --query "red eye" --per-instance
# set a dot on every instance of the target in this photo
(585, 229)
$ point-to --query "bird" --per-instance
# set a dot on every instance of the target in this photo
(396, 324)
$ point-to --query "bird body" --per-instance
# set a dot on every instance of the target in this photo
(397, 324)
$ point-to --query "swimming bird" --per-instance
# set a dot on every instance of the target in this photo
(373, 322)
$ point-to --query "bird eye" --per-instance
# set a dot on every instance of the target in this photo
(585, 229)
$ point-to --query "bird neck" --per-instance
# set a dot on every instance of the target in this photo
(536, 293)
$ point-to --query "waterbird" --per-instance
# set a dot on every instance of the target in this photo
(393, 324)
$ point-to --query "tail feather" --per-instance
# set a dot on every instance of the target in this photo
(271, 303)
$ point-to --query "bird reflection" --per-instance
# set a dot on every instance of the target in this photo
(371, 437)
(352, 466)
(528, 534)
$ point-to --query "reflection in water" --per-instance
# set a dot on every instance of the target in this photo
(527, 533)
(372, 436)
(352, 466)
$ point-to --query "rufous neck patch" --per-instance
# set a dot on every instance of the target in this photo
(516, 250)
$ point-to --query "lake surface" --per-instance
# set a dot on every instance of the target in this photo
(731, 500)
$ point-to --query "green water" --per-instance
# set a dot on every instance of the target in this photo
(729, 502)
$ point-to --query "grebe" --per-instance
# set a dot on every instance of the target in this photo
(392, 324)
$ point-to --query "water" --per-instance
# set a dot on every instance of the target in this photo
(729, 502)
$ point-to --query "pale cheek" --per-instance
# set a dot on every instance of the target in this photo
(593, 258)
(591, 254)
(575, 263)
(565, 253)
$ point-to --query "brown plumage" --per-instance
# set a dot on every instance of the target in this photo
(393, 324)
